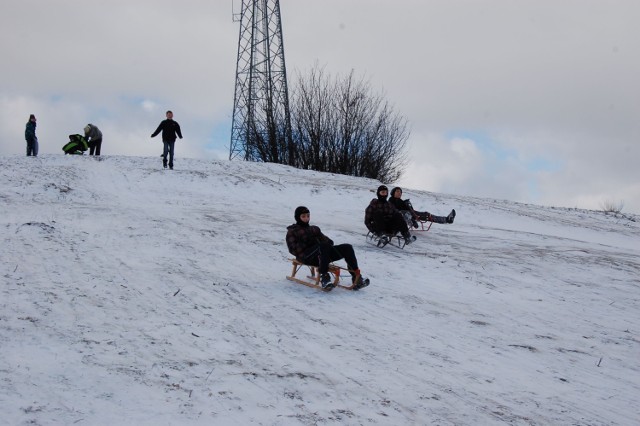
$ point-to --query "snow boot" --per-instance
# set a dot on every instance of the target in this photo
(451, 216)
(325, 281)
(382, 241)
(408, 238)
(359, 282)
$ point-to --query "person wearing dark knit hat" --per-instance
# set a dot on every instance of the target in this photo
(311, 247)
(30, 137)
(381, 217)
(382, 193)
(298, 212)
(412, 215)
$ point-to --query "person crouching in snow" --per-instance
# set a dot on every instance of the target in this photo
(94, 138)
(311, 247)
(411, 215)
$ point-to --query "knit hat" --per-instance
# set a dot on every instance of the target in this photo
(382, 197)
(300, 211)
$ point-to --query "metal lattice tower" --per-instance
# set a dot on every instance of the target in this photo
(261, 129)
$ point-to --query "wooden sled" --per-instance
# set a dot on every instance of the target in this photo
(313, 279)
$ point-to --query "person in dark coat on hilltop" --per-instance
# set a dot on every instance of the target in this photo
(30, 137)
(381, 217)
(412, 215)
(311, 247)
(170, 129)
(94, 138)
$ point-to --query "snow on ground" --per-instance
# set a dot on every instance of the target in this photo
(133, 295)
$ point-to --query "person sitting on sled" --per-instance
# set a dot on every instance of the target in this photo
(381, 217)
(411, 215)
(311, 247)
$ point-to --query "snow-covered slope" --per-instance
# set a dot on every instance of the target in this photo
(136, 295)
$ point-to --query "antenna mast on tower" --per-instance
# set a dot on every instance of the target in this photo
(261, 129)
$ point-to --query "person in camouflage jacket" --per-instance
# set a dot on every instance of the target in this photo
(311, 247)
(381, 217)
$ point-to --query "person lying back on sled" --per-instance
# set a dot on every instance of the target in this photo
(381, 217)
(411, 215)
(311, 247)
(77, 145)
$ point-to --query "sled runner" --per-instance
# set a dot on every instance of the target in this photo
(382, 240)
(313, 279)
(77, 145)
(415, 223)
(421, 226)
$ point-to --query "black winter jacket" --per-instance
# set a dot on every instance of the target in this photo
(399, 203)
(30, 131)
(170, 129)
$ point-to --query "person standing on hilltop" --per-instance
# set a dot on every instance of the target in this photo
(170, 129)
(30, 137)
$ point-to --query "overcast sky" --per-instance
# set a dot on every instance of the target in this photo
(534, 101)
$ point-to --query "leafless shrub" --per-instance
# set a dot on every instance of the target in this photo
(340, 126)
(610, 206)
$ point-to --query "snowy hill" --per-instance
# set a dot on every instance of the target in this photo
(141, 296)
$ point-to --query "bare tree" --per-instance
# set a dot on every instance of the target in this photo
(341, 126)
(268, 140)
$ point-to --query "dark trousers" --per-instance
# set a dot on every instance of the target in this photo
(391, 225)
(31, 149)
(94, 147)
(426, 216)
(325, 253)
(168, 149)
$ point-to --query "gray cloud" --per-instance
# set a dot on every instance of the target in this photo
(490, 87)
